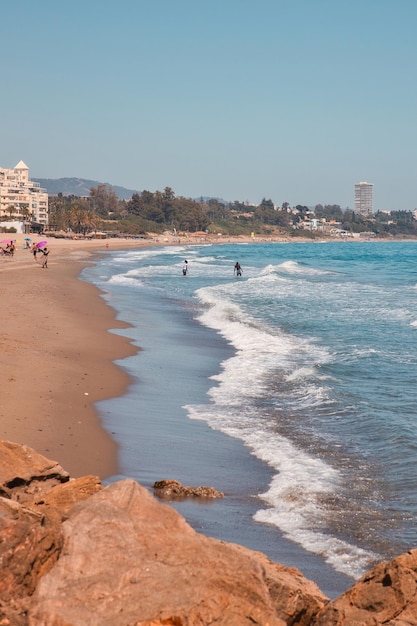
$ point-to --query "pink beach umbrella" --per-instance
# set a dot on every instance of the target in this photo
(41, 244)
(6, 241)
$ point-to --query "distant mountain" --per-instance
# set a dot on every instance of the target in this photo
(79, 187)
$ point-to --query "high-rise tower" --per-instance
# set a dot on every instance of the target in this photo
(364, 198)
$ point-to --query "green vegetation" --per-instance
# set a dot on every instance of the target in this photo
(161, 211)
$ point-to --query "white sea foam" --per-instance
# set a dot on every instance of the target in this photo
(128, 280)
(259, 350)
(293, 267)
(295, 494)
(294, 500)
(140, 254)
(300, 374)
(341, 555)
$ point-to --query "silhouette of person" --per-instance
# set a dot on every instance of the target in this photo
(237, 269)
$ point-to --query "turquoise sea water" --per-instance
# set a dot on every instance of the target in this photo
(309, 359)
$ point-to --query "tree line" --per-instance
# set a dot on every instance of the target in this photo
(163, 210)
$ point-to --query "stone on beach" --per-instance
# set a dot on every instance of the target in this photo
(172, 489)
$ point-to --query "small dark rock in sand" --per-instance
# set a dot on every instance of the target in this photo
(173, 489)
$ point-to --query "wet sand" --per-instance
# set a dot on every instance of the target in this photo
(56, 357)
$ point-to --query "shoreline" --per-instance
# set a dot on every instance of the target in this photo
(55, 333)
(57, 358)
(58, 362)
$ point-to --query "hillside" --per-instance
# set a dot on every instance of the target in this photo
(79, 187)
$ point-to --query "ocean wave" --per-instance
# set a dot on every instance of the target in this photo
(297, 494)
(141, 254)
(297, 499)
(344, 557)
(127, 280)
(293, 267)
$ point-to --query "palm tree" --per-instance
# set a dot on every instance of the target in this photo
(94, 221)
(78, 218)
(82, 219)
(24, 211)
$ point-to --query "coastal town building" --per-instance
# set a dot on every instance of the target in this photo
(364, 198)
(21, 198)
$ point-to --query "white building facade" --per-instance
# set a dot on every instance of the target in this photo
(21, 198)
(364, 198)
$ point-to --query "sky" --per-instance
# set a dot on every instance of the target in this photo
(289, 100)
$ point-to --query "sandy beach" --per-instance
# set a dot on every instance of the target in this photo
(57, 356)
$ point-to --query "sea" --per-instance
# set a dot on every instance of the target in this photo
(292, 389)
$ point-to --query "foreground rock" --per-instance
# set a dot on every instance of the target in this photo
(73, 553)
(386, 595)
(36, 496)
(129, 557)
(24, 472)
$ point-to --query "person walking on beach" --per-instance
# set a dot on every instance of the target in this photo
(237, 269)
(45, 258)
(34, 252)
(185, 268)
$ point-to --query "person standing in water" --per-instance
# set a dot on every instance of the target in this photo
(237, 269)
(185, 268)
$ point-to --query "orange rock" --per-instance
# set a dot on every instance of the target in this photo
(125, 559)
(25, 473)
(29, 546)
(172, 489)
(385, 595)
(128, 559)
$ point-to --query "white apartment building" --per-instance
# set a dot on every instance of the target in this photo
(364, 198)
(21, 198)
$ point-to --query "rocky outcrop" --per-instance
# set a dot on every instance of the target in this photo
(128, 556)
(174, 490)
(24, 472)
(29, 545)
(36, 496)
(73, 553)
(386, 595)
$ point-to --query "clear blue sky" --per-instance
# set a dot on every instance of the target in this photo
(293, 100)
